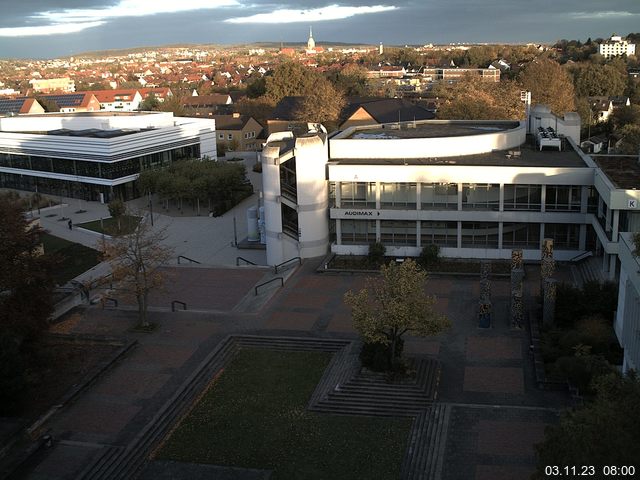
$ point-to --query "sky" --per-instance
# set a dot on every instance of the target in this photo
(57, 28)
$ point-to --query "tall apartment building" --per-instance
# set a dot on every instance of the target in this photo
(615, 47)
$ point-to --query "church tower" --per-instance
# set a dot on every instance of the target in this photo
(311, 44)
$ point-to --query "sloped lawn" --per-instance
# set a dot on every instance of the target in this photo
(254, 416)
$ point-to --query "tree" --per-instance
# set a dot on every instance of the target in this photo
(395, 304)
(592, 80)
(150, 104)
(25, 274)
(549, 84)
(630, 144)
(322, 104)
(471, 98)
(352, 80)
(117, 209)
(136, 260)
(290, 79)
(26, 287)
(603, 432)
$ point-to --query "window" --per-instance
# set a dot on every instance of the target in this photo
(438, 196)
(398, 232)
(230, 136)
(398, 195)
(289, 221)
(522, 197)
(521, 235)
(479, 235)
(480, 196)
(357, 195)
(443, 234)
(565, 236)
(563, 198)
(358, 232)
(221, 136)
(288, 181)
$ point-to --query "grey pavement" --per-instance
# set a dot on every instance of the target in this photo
(208, 240)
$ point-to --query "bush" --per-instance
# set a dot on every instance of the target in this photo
(595, 298)
(429, 256)
(257, 167)
(376, 253)
(376, 356)
(580, 370)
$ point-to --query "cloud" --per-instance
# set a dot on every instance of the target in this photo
(331, 12)
(72, 20)
(603, 15)
(57, 29)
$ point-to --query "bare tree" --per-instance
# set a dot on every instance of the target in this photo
(136, 260)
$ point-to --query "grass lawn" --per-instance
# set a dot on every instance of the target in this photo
(128, 223)
(254, 416)
(74, 258)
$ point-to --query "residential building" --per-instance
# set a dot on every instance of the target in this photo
(615, 47)
(74, 102)
(382, 110)
(51, 85)
(238, 132)
(23, 105)
(205, 105)
(96, 155)
(123, 100)
(160, 93)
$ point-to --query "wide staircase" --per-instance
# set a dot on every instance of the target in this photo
(589, 269)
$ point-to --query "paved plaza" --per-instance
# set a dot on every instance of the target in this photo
(497, 413)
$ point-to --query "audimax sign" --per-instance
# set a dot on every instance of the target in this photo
(360, 213)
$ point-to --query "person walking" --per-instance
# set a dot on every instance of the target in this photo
(70, 223)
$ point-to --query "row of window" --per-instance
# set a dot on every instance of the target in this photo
(247, 136)
(445, 234)
(110, 170)
(444, 196)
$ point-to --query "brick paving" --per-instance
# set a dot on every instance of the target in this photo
(483, 368)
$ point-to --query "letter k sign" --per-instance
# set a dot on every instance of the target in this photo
(633, 204)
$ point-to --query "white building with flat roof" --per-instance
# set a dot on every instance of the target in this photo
(476, 189)
(616, 46)
(96, 155)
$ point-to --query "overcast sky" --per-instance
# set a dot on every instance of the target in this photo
(52, 28)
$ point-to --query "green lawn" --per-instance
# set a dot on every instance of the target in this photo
(128, 223)
(74, 258)
(254, 416)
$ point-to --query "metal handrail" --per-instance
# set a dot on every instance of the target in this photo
(173, 305)
(244, 260)
(267, 282)
(109, 299)
(275, 270)
(581, 256)
(187, 258)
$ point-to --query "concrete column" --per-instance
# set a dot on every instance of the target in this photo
(582, 241)
(418, 237)
(600, 203)
(584, 199)
(500, 229)
(605, 262)
(378, 202)
(418, 196)
(338, 194)
(501, 205)
(543, 200)
(615, 225)
(541, 235)
(338, 231)
(459, 234)
(378, 234)
(612, 267)
(607, 221)
(459, 197)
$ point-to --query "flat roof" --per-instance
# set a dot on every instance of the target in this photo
(529, 157)
(622, 170)
(103, 113)
(430, 129)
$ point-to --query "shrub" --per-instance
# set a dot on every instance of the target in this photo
(376, 253)
(13, 381)
(594, 298)
(429, 255)
(257, 167)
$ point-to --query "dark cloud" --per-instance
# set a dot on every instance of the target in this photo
(413, 22)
